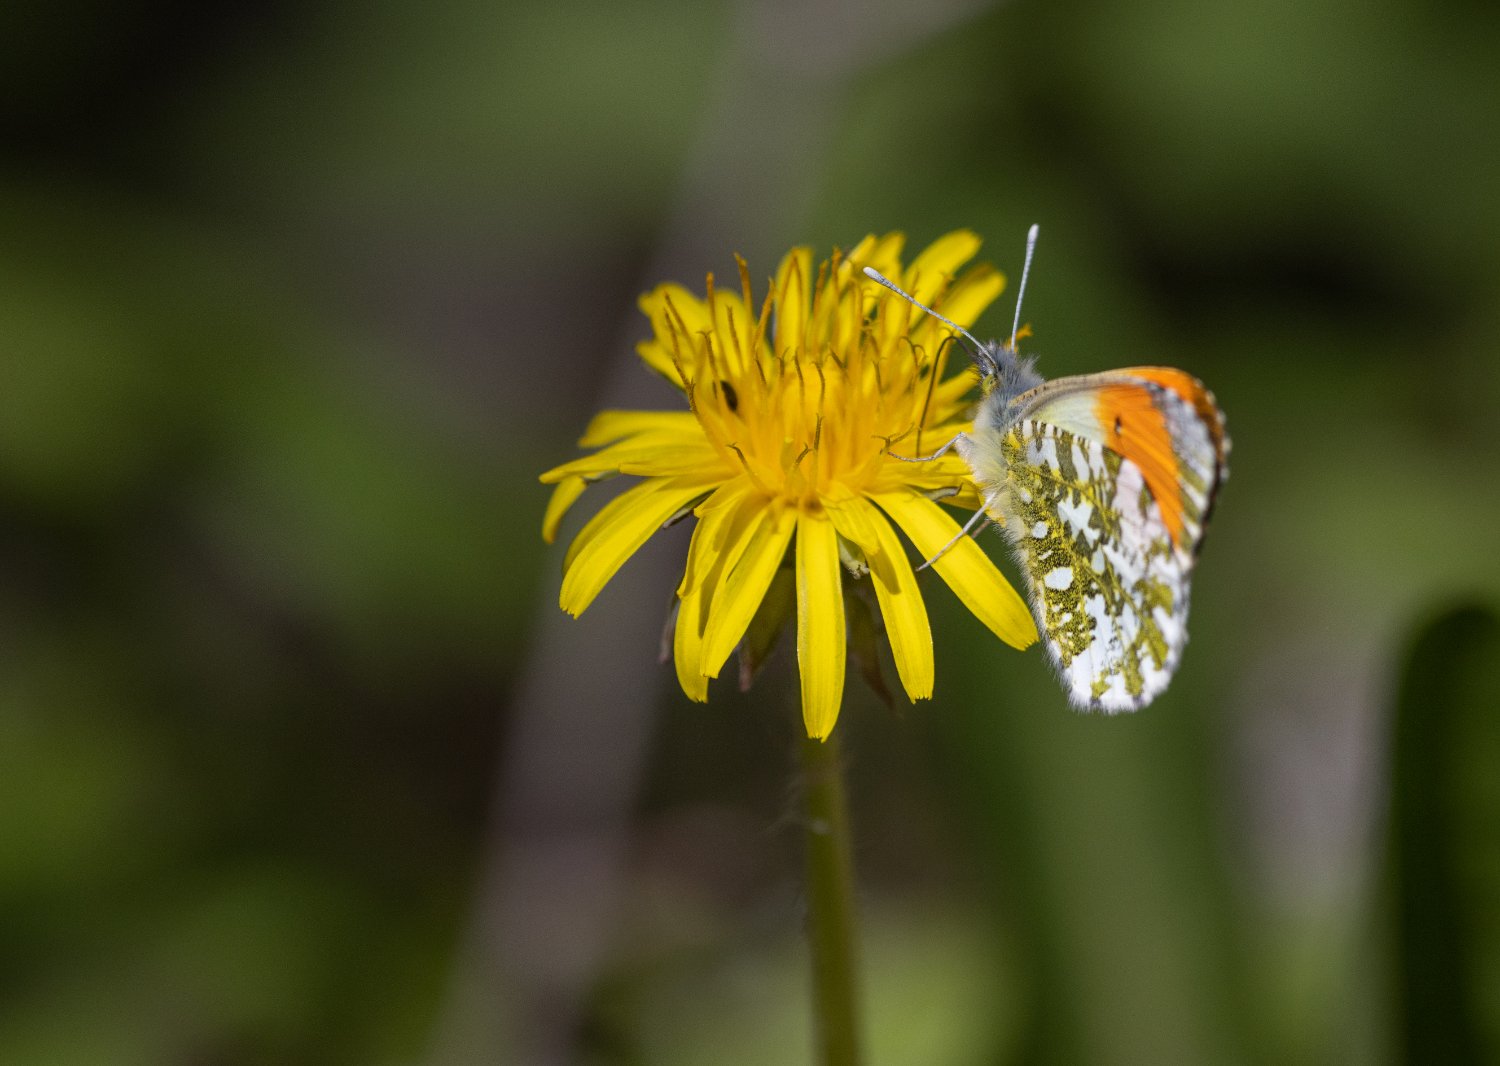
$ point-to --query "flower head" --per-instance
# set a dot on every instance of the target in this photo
(797, 409)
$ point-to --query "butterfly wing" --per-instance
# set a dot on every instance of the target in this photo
(1105, 483)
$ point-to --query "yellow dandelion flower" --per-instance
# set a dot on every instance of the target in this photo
(796, 413)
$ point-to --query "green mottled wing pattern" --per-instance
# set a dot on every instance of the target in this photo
(1108, 586)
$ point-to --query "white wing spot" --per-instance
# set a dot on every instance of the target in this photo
(1059, 577)
(1077, 515)
(1080, 461)
(1044, 453)
(1039, 530)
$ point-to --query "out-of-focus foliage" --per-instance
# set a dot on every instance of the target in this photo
(296, 301)
(1445, 842)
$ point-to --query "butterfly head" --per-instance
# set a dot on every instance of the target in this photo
(1004, 376)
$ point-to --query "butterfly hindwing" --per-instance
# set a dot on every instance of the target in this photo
(1108, 585)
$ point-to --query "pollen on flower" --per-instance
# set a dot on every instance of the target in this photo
(787, 455)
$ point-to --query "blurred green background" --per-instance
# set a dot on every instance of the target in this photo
(300, 763)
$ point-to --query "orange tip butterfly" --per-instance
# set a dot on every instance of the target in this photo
(1103, 484)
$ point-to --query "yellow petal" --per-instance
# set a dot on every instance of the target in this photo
(679, 319)
(658, 355)
(951, 391)
(858, 257)
(901, 605)
(617, 531)
(609, 426)
(794, 282)
(601, 521)
(699, 579)
(672, 305)
(883, 253)
(971, 294)
(821, 640)
(889, 248)
(726, 495)
(568, 490)
(716, 516)
(896, 588)
(853, 518)
(687, 644)
(751, 557)
(966, 498)
(961, 299)
(934, 267)
(950, 470)
(965, 567)
(841, 316)
(734, 329)
(647, 454)
(670, 462)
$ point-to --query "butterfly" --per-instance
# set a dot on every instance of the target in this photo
(1103, 484)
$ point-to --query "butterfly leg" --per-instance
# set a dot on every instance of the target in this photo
(982, 513)
(928, 458)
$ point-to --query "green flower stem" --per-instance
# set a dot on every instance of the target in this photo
(830, 903)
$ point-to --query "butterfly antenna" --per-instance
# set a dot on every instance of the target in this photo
(1020, 292)
(975, 348)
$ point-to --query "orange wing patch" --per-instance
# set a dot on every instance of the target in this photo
(1191, 390)
(1135, 427)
